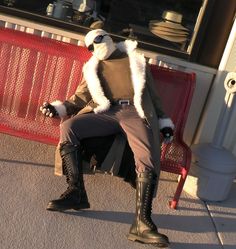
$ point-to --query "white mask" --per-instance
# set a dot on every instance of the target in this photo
(104, 49)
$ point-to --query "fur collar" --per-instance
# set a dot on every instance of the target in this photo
(138, 72)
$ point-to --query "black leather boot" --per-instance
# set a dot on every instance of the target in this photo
(75, 197)
(143, 229)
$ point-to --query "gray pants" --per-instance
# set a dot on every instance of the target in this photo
(117, 119)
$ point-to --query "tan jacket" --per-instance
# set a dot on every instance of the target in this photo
(89, 97)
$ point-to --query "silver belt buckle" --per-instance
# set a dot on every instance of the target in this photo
(124, 102)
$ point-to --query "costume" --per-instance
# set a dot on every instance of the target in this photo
(116, 96)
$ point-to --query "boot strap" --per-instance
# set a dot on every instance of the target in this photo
(67, 148)
(146, 180)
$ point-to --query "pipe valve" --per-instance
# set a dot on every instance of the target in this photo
(230, 82)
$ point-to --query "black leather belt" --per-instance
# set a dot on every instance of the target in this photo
(122, 102)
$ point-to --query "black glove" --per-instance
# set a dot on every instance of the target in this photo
(168, 134)
(48, 110)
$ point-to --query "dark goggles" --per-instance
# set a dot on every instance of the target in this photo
(98, 39)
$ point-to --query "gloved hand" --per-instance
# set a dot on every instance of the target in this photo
(48, 110)
(168, 134)
(167, 129)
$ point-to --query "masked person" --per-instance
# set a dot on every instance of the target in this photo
(116, 95)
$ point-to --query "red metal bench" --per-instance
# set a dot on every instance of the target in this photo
(35, 69)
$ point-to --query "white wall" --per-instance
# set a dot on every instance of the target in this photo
(216, 100)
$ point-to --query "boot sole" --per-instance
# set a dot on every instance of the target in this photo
(159, 243)
(59, 208)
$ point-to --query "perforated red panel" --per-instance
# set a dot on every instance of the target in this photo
(175, 89)
(33, 70)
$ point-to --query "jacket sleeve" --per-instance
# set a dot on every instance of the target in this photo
(153, 93)
(79, 99)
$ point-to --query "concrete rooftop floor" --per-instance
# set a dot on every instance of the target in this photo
(27, 183)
